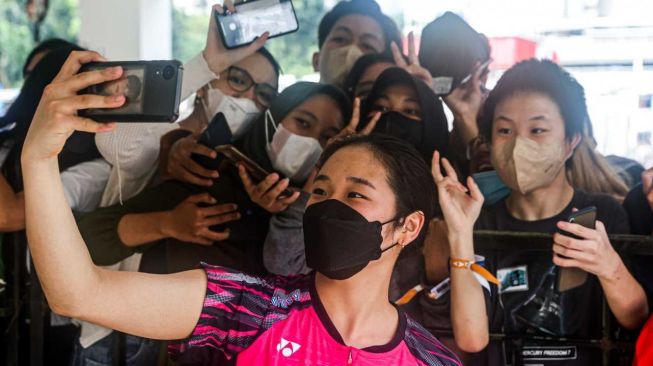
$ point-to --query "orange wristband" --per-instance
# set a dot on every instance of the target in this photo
(458, 263)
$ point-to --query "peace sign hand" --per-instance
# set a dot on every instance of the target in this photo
(352, 127)
(460, 209)
(412, 66)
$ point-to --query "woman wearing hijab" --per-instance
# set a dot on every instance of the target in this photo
(410, 111)
(173, 209)
(339, 315)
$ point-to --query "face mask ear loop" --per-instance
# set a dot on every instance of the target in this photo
(393, 234)
(269, 120)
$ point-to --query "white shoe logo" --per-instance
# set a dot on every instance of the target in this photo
(287, 348)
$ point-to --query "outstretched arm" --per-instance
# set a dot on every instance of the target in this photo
(134, 303)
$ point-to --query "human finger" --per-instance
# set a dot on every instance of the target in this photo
(372, 124)
(398, 56)
(218, 209)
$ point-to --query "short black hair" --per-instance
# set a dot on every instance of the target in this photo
(368, 8)
(46, 46)
(408, 174)
(273, 61)
(546, 77)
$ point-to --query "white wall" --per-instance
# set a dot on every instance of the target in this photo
(127, 29)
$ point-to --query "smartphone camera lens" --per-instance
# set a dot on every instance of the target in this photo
(168, 72)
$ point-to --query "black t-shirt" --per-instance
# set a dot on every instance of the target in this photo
(528, 285)
(640, 216)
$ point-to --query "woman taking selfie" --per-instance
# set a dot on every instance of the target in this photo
(340, 314)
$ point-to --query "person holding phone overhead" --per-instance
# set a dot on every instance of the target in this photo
(339, 314)
(533, 119)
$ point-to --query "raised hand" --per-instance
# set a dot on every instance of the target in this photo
(412, 66)
(56, 116)
(216, 54)
(460, 209)
(352, 127)
(465, 103)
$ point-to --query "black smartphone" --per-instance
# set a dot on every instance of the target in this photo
(570, 278)
(255, 171)
(255, 17)
(216, 133)
(152, 90)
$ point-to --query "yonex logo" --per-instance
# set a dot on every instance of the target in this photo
(287, 348)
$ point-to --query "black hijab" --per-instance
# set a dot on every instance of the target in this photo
(78, 148)
(253, 143)
(435, 130)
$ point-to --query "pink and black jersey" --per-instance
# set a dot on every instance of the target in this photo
(249, 320)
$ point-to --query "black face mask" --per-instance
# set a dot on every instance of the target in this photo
(397, 125)
(339, 241)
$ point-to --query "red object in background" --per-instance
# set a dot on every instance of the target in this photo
(507, 51)
(644, 347)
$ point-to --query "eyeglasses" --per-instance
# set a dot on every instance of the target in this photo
(241, 81)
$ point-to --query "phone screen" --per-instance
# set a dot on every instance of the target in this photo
(131, 85)
(252, 19)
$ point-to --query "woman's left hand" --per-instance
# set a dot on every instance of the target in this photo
(592, 253)
(459, 208)
(412, 66)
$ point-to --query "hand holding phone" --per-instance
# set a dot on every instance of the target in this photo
(570, 278)
(219, 57)
(585, 248)
(270, 193)
(243, 24)
(152, 91)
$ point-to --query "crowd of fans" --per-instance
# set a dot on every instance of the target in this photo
(359, 247)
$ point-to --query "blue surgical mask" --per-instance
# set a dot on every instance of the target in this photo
(492, 187)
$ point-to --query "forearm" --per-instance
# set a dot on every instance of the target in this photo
(626, 298)
(68, 276)
(143, 228)
(468, 313)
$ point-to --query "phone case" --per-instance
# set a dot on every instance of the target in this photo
(570, 278)
(236, 157)
(229, 46)
(159, 95)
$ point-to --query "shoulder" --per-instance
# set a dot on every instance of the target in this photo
(271, 289)
(237, 309)
(425, 347)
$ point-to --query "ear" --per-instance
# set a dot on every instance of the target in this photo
(573, 144)
(316, 61)
(411, 228)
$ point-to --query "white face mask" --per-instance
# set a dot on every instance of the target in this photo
(239, 112)
(291, 155)
(336, 64)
